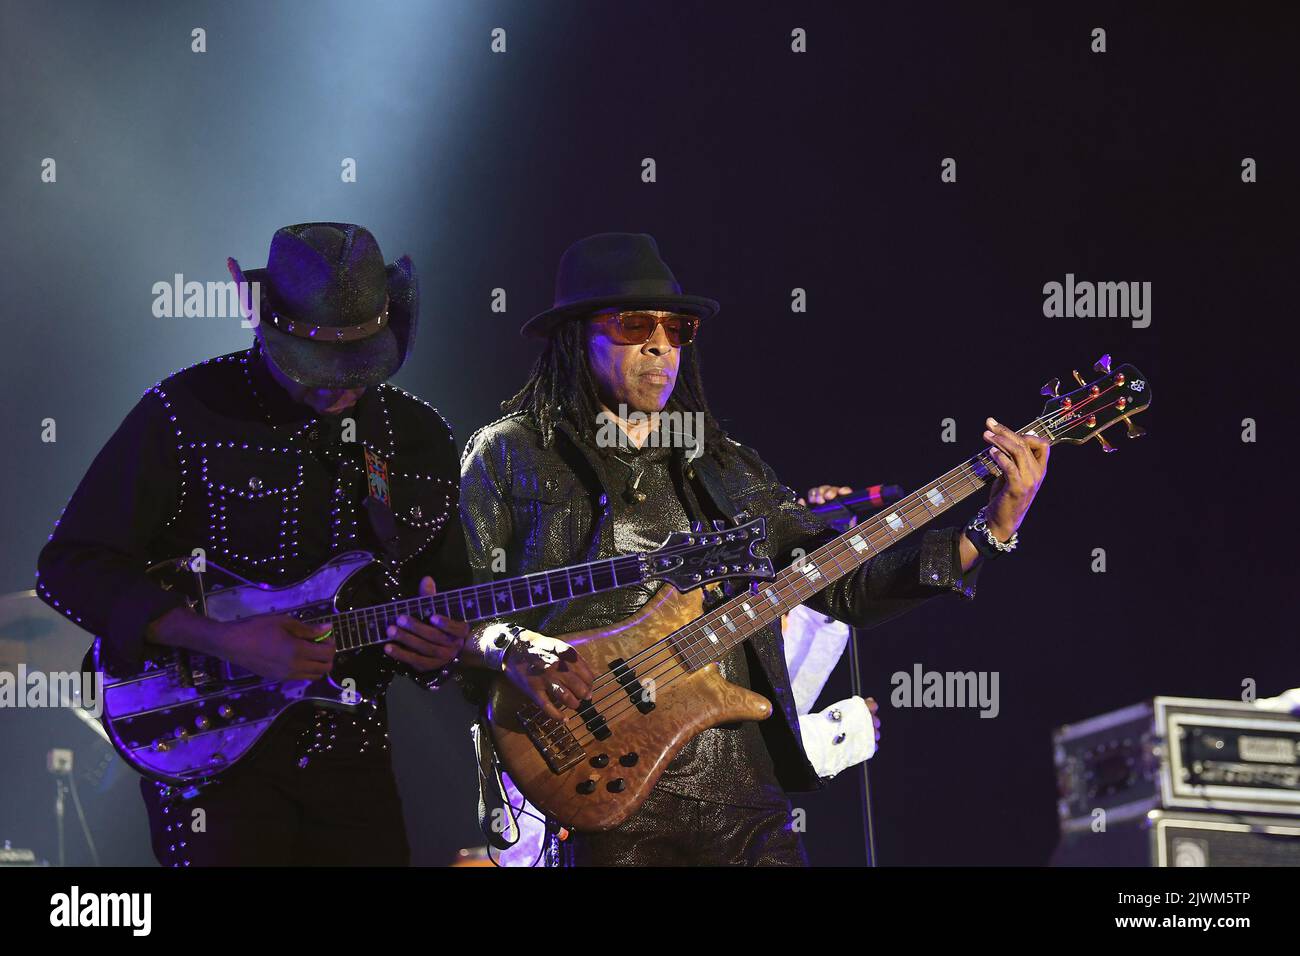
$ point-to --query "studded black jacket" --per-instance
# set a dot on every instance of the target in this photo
(218, 457)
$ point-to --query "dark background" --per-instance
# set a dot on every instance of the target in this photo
(775, 171)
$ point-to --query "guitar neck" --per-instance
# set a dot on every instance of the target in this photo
(365, 626)
(712, 636)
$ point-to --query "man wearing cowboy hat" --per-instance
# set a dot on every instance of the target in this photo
(272, 460)
(542, 486)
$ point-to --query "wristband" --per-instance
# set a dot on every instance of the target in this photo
(499, 644)
(979, 535)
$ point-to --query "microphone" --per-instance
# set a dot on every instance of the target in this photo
(859, 504)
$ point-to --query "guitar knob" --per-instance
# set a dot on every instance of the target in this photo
(1134, 431)
(1052, 389)
(616, 785)
(202, 722)
(629, 759)
(586, 787)
(224, 711)
(600, 760)
(1103, 364)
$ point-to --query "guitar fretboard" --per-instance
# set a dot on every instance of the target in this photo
(369, 625)
(710, 637)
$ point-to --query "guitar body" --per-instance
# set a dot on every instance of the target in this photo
(685, 703)
(186, 718)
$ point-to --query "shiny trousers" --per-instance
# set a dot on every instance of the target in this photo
(671, 830)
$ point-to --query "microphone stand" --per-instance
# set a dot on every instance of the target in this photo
(843, 513)
(855, 686)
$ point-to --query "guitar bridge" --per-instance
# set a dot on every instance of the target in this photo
(556, 743)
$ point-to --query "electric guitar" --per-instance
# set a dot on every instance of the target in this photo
(188, 718)
(658, 683)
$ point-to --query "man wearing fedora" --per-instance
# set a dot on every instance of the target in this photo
(621, 339)
(264, 460)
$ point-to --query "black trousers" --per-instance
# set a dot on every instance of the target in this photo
(337, 810)
(671, 830)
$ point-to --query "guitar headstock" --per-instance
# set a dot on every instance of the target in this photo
(690, 559)
(1116, 396)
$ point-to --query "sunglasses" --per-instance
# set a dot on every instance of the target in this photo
(638, 328)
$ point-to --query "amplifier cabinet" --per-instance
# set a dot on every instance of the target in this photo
(1161, 838)
(1177, 753)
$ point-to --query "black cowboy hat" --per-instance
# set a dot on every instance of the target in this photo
(614, 269)
(332, 314)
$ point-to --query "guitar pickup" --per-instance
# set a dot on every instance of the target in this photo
(591, 716)
(632, 687)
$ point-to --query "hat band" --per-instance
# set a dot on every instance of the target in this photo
(329, 333)
(643, 288)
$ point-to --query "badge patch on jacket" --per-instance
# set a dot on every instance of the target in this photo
(377, 478)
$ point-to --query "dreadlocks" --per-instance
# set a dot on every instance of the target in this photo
(561, 388)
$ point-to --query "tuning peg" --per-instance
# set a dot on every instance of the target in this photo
(719, 524)
(1134, 431)
(1079, 378)
(1105, 445)
(1052, 389)
(1103, 364)
(697, 527)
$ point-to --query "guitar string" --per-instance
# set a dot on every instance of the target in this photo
(784, 590)
(831, 554)
(665, 667)
(581, 742)
(374, 614)
(945, 479)
(1046, 422)
(378, 614)
(836, 549)
(945, 482)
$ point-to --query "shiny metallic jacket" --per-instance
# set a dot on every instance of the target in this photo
(546, 506)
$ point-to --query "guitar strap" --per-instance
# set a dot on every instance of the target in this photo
(705, 473)
(379, 503)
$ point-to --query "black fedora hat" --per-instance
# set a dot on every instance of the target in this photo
(332, 314)
(614, 269)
